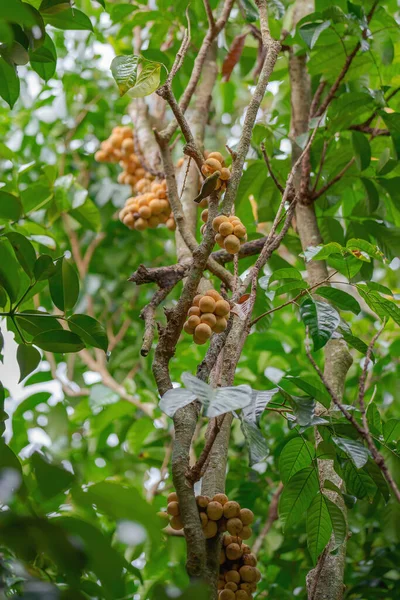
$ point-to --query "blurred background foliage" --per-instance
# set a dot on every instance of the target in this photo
(83, 419)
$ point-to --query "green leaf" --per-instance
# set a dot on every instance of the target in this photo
(28, 359)
(353, 341)
(44, 267)
(310, 32)
(362, 149)
(64, 285)
(51, 479)
(319, 526)
(313, 387)
(9, 82)
(9, 270)
(295, 456)
(137, 434)
(54, 6)
(24, 251)
(297, 496)
(250, 11)
(386, 164)
(354, 449)
(44, 59)
(88, 215)
(372, 195)
(374, 419)
(255, 441)
(58, 340)
(72, 18)
(342, 299)
(10, 206)
(392, 122)
(148, 80)
(323, 252)
(35, 196)
(125, 72)
(90, 330)
(381, 306)
(35, 322)
(364, 246)
(358, 482)
(321, 319)
(338, 522)
(288, 273)
(391, 431)
(376, 475)
(253, 178)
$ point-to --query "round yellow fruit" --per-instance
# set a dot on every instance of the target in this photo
(221, 498)
(217, 156)
(193, 321)
(239, 230)
(202, 501)
(220, 240)
(225, 228)
(246, 532)
(220, 325)
(204, 215)
(231, 244)
(248, 574)
(231, 509)
(218, 220)
(214, 510)
(226, 595)
(197, 299)
(208, 318)
(246, 516)
(172, 497)
(207, 304)
(213, 164)
(173, 509)
(176, 523)
(233, 551)
(222, 308)
(202, 332)
(250, 560)
(194, 310)
(232, 576)
(210, 530)
(234, 526)
(213, 294)
(231, 586)
(225, 174)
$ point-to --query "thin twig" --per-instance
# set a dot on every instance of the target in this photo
(270, 171)
(272, 517)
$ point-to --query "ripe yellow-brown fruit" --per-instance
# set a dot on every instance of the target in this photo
(213, 164)
(225, 228)
(208, 318)
(222, 308)
(127, 145)
(221, 498)
(203, 519)
(193, 321)
(207, 304)
(220, 585)
(220, 325)
(202, 501)
(234, 526)
(197, 299)
(129, 221)
(233, 551)
(232, 244)
(231, 509)
(173, 509)
(202, 331)
(214, 510)
(144, 212)
(246, 549)
(239, 230)
(194, 310)
(220, 240)
(242, 595)
(154, 221)
(172, 497)
(188, 329)
(248, 587)
(204, 215)
(227, 539)
(218, 220)
(156, 206)
(141, 224)
(225, 174)
(217, 156)
(258, 576)
(246, 516)
(176, 523)
(210, 530)
(248, 574)
(250, 560)
(171, 224)
(231, 586)
(232, 576)
(246, 532)
(226, 595)
(213, 294)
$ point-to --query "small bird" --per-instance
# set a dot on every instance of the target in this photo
(209, 185)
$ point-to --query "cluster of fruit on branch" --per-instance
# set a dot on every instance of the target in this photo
(150, 207)
(207, 315)
(238, 575)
